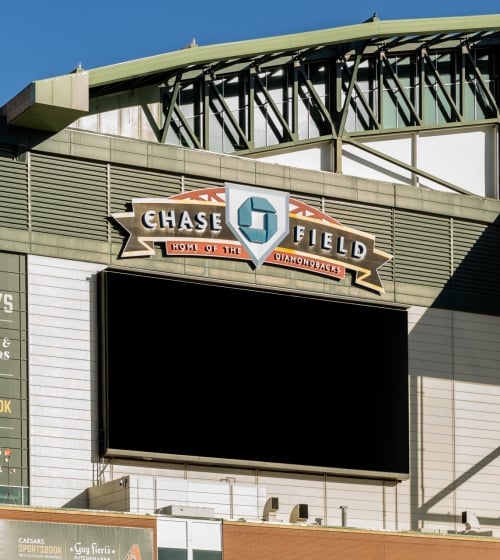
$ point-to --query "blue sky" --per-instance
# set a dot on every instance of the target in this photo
(43, 39)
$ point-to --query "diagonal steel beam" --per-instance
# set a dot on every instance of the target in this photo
(401, 89)
(443, 90)
(171, 106)
(263, 89)
(406, 166)
(228, 113)
(481, 80)
(319, 102)
(353, 84)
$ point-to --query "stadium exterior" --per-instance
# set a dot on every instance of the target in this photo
(249, 300)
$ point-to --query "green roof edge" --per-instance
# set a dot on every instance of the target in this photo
(226, 51)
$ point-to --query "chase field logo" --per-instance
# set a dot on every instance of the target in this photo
(253, 224)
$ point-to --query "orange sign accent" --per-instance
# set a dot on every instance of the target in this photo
(134, 553)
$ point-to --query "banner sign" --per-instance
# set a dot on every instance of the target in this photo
(21, 540)
(13, 379)
(253, 224)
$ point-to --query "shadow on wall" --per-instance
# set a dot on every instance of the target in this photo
(455, 387)
(80, 501)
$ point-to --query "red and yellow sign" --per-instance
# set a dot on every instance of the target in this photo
(197, 224)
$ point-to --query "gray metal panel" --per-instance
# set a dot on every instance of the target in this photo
(422, 249)
(372, 220)
(476, 267)
(13, 186)
(50, 104)
(69, 197)
(128, 183)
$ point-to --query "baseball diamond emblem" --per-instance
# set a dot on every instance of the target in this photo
(246, 219)
(258, 218)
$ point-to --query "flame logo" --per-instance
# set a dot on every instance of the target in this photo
(134, 553)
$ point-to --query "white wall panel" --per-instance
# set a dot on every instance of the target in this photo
(360, 163)
(206, 535)
(472, 154)
(457, 414)
(195, 534)
(63, 382)
(172, 533)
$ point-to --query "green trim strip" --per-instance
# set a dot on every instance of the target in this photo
(257, 47)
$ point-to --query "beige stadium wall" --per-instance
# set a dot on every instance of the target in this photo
(454, 421)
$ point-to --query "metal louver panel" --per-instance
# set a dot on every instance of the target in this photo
(422, 249)
(13, 186)
(191, 184)
(127, 184)
(476, 262)
(79, 187)
(374, 221)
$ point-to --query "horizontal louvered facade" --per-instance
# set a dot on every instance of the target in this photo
(441, 244)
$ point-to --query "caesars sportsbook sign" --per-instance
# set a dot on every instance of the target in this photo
(253, 224)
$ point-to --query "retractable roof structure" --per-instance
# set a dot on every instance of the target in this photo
(341, 84)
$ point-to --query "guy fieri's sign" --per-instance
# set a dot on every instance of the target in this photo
(25, 540)
(254, 224)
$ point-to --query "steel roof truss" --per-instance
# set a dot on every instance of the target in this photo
(151, 120)
(348, 96)
(190, 118)
(192, 136)
(353, 84)
(171, 108)
(237, 142)
(442, 87)
(170, 104)
(320, 107)
(286, 129)
(484, 87)
(401, 90)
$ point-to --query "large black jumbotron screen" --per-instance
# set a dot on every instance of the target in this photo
(204, 373)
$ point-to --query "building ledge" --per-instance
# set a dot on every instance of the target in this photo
(49, 105)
